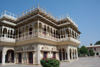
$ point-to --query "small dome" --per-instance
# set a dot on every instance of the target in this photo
(97, 43)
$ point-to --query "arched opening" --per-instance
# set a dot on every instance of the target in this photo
(8, 33)
(11, 34)
(0, 32)
(4, 32)
(20, 33)
(17, 35)
(70, 54)
(19, 58)
(23, 32)
(51, 32)
(14, 35)
(45, 54)
(97, 54)
(64, 34)
(72, 34)
(40, 27)
(48, 29)
(54, 55)
(10, 56)
(75, 54)
(62, 54)
(0, 56)
(58, 35)
(36, 27)
(44, 32)
(61, 34)
(75, 36)
(30, 30)
(26, 31)
(30, 57)
(67, 33)
(63, 51)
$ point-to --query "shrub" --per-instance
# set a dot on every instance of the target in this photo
(49, 62)
(91, 52)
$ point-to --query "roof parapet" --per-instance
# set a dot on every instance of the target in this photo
(42, 9)
(66, 16)
(8, 15)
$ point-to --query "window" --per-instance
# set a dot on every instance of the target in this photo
(45, 55)
(95, 49)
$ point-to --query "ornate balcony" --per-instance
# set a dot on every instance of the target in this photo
(7, 38)
(48, 36)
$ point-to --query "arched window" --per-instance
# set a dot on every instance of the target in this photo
(70, 54)
(30, 30)
(62, 54)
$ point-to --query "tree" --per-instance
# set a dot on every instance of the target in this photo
(84, 51)
(91, 52)
(78, 51)
(97, 43)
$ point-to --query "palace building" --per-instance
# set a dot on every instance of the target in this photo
(95, 48)
(35, 34)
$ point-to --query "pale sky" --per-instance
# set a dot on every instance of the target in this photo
(86, 13)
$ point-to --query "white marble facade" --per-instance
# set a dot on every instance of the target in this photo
(33, 35)
(70, 53)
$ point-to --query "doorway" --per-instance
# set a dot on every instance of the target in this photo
(30, 57)
(19, 57)
(9, 56)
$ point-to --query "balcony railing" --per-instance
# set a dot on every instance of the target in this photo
(44, 35)
(7, 13)
(7, 38)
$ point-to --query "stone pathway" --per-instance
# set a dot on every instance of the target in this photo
(82, 62)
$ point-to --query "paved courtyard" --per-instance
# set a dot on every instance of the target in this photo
(82, 62)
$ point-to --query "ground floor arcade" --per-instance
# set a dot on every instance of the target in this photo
(32, 54)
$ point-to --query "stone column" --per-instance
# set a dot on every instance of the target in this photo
(46, 32)
(69, 32)
(3, 56)
(38, 54)
(65, 56)
(27, 58)
(28, 32)
(50, 55)
(15, 60)
(77, 54)
(42, 30)
(62, 54)
(38, 27)
(16, 57)
(2, 32)
(53, 33)
(72, 54)
(34, 58)
(57, 55)
(68, 54)
(17, 35)
(60, 35)
(22, 58)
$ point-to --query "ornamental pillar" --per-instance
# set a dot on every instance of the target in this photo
(38, 54)
(3, 56)
(68, 54)
(77, 54)
(42, 30)
(34, 58)
(38, 27)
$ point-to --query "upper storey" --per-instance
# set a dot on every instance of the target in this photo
(36, 11)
